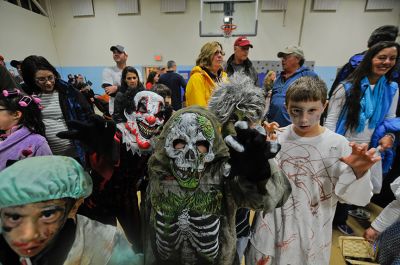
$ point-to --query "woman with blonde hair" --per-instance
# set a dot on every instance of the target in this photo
(204, 76)
(268, 83)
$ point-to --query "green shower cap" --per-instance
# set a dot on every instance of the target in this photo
(43, 178)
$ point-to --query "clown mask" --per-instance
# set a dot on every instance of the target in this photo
(143, 123)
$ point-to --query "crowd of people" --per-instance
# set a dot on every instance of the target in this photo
(200, 155)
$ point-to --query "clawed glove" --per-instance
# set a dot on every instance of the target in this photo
(96, 134)
(252, 159)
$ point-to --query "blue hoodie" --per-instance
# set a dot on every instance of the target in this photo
(277, 110)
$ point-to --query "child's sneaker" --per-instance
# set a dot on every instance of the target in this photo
(345, 229)
(360, 213)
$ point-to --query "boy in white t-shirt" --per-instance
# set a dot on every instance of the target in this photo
(322, 168)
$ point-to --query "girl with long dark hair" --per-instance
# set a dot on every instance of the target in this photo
(361, 106)
(130, 85)
(24, 130)
(152, 79)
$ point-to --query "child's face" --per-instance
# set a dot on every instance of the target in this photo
(8, 119)
(28, 229)
(305, 116)
(167, 100)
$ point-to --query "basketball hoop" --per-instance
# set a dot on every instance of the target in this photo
(227, 29)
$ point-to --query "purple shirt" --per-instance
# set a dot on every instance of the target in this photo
(22, 144)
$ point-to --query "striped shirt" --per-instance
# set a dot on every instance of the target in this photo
(54, 121)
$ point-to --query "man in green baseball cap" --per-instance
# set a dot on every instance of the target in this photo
(39, 199)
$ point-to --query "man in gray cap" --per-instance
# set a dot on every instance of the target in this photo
(112, 75)
(293, 68)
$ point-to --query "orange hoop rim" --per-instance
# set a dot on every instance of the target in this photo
(228, 27)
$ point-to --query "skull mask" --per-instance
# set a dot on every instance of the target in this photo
(143, 122)
(189, 144)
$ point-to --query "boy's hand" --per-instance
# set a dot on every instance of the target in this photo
(386, 142)
(371, 234)
(361, 159)
(270, 129)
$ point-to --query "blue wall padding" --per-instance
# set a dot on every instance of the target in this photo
(326, 73)
(93, 73)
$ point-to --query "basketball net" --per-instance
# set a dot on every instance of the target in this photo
(227, 29)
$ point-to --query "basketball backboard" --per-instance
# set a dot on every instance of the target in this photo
(216, 15)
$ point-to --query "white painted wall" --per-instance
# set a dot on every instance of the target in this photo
(331, 38)
(328, 38)
(23, 33)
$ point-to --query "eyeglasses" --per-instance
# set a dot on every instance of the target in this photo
(44, 80)
(219, 52)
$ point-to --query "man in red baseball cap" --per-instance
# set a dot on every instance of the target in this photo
(239, 60)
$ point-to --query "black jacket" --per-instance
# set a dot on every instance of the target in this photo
(249, 69)
(174, 82)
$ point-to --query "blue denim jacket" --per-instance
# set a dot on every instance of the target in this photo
(277, 111)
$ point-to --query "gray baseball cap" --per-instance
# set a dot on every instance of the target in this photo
(292, 49)
(118, 48)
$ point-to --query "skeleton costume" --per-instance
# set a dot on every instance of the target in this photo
(192, 198)
(115, 196)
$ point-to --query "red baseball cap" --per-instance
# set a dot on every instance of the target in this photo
(242, 41)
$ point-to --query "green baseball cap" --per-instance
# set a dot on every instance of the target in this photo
(43, 178)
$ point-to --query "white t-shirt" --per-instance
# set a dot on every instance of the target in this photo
(112, 75)
(300, 232)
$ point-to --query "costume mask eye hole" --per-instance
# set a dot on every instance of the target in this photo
(203, 146)
(233, 118)
(160, 115)
(179, 144)
(142, 108)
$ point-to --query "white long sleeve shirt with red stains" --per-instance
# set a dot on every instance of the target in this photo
(300, 232)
